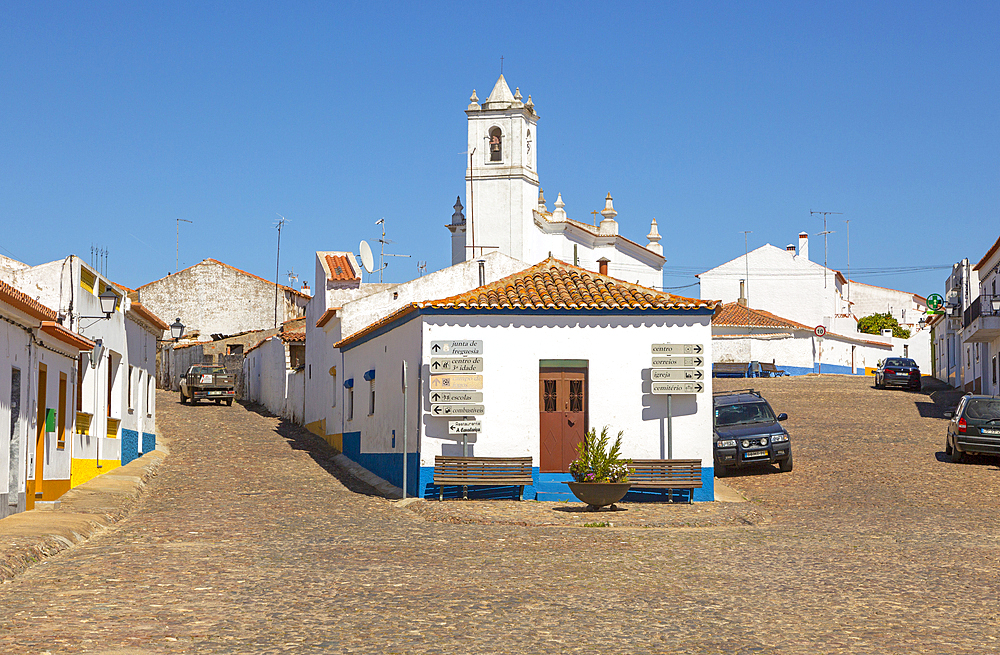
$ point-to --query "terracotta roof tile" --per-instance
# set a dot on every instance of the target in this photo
(341, 268)
(736, 315)
(25, 303)
(293, 336)
(554, 284)
(141, 310)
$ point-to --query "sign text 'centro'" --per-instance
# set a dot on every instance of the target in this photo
(456, 364)
(678, 349)
(457, 347)
(456, 382)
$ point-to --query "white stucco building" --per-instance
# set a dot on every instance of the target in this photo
(787, 284)
(564, 349)
(976, 324)
(507, 211)
(274, 374)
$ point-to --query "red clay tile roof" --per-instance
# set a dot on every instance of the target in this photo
(68, 337)
(736, 315)
(554, 284)
(25, 303)
(341, 268)
(293, 336)
(149, 316)
(327, 315)
(989, 253)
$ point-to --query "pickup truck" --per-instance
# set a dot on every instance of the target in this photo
(208, 382)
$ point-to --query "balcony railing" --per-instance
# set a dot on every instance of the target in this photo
(981, 306)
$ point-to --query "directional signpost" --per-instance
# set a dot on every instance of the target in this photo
(456, 396)
(677, 368)
(456, 364)
(456, 385)
(457, 348)
(464, 427)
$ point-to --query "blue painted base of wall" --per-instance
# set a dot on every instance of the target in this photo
(551, 487)
(388, 466)
(148, 442)
(827, 368)
(130, 446)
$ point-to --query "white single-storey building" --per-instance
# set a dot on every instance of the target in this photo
(554, 350)
(744, 335)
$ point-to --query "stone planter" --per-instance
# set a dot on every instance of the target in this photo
(599, 494)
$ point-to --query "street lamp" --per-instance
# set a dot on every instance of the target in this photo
(176, 329)
(109, 302)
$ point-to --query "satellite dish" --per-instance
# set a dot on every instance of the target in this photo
(366, 257)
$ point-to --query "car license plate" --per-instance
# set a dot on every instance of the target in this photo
(214, 393)
(755, 453)
(989, 430)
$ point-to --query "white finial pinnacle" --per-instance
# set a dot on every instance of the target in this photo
(473, 100)
(559, 214)
(654, 239)
(608, 223)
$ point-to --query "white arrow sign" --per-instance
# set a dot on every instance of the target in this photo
(457, 347)
(458, 410)
(678, 349)
(678, 362)
(686, 374)
(676, 387)
(456, 364)
(464, 427)
(456, 396)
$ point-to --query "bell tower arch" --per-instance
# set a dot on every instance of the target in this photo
(501, 178)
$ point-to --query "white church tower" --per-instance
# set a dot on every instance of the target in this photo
(501, 181)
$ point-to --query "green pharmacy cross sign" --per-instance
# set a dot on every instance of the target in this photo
(935, 304)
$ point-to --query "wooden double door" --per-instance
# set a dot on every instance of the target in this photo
(563, 416)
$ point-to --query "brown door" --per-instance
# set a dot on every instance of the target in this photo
(35, 487)
(563, 416)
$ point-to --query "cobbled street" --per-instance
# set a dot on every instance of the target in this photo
(249, 540)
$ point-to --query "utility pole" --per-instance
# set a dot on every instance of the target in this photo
(382, 253)
(177, 262)
(849, 283)
(825, 234)
(277, 266)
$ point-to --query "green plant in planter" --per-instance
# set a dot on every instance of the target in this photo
(597, 462)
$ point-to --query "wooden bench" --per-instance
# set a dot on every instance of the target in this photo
(480, 471)
(666, 474)
(771, 370)
(730, 369)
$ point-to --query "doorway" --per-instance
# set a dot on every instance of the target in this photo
(562, 402)
(35, 490)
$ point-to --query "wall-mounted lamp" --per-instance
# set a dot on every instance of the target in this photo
(176, 329)
(995, 302)
(109, 303)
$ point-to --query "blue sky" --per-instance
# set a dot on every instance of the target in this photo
(715, 118)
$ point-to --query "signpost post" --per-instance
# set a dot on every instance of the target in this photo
(404, 428)
(676, 368)
(820, 332)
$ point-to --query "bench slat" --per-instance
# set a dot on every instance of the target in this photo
(666, 473)
(482, 471)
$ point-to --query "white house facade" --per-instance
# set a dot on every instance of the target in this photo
(563, 350)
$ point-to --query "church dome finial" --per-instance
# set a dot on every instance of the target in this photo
(609, 225)
(654, 239)
(541, 201)
(473, 100)
(559, 214)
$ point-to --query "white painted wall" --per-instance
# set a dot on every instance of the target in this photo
(795, 348)
(271, 383)
(618, 381)
(867, 300)
(13, 445)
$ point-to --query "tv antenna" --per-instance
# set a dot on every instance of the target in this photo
(292, 277)
(277, 264)
(382, 253)
(825, 234)
(421, 268)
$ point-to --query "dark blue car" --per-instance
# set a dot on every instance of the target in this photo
(747, 433)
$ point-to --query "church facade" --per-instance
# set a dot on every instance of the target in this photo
(507, 210)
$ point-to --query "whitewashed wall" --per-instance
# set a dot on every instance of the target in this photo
(618, 381)
(13, 450)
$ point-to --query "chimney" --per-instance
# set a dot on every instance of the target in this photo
(482, 272)
(742, 302)
(305, 289)
(803, 245)
(790, 248)
(603, 265)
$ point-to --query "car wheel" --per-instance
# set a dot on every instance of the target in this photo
(183, 399)
(785, 465)
(194, 401)
(947, 446)
(229, 402)
(957, 456)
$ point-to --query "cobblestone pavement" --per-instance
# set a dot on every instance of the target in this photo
(249, 540)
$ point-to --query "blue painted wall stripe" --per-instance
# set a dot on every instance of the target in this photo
(130, 446)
